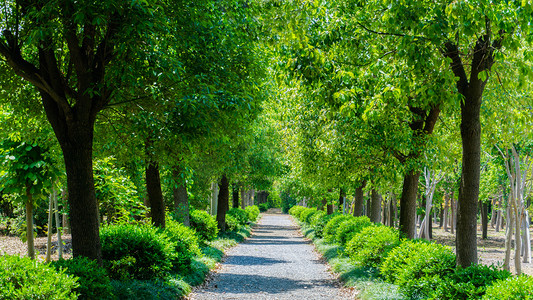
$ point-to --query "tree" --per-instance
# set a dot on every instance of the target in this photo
(80, 56)
(29, 173)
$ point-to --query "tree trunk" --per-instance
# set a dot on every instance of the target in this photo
(408, 205)
(392, 204)
(50, 228)
(342, 194)
(155, 195)
(181, 197)
(29, 223)
(223, 202)
(453, 206)
(214, 198)
(58, 226)
(484, 219)
(526, 238)
(375, 207)
(243, 203)
(83, 208)
(329, 208)
(359, 200)
(235, 195)
(508, 239)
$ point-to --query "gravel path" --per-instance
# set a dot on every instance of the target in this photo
(275, 263)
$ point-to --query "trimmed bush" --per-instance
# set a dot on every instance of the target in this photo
(468, 283)
(186, 244)
(23, 278)
(368, 247)
(418, 266)
(136, 252)
(330, 230)
(232, 224)
(306, 215)
(296, 210)
(316, 217)
(512, 288)
(239, 214)
(349, 228)
(319, 223)
(93, 280)
(252, 212)
(204, 224)
(263, 207)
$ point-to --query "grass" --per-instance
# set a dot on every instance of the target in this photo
(365, 280)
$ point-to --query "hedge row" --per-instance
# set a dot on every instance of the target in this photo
(421, 269)
(139, 261)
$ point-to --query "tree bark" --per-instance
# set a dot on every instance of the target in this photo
(223, 202)
(235, 195)
(181, 197)
(155, 195)
(83, 208)
(329, 209)
(484, 219)
(375, 207)
(408, 205)
(392, 204)
(359, 200)
(29, 223)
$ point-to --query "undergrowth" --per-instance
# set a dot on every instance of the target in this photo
(364, 279)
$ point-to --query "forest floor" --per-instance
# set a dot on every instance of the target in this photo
(491, 251)
(13, 245)
(276, 262)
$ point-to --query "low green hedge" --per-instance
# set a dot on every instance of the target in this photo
(93, 280)
(239, 214)
(23, 278)
(468, 283)
(204, 224)
(319, 222)
(136, 252)
(252, 212)
(369, 247)
(349, 228)
(186, 244)
(417, 267)
(512, 288)
(306, 215)
(330, 230)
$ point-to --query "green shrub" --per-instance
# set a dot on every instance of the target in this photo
(263, 207)
(319, 223)
(239, 214)
(23, 278)
(93, 280)
(330, 230)
(306, 215)
(232, 224)
(252, 212)
(296, 210)
(368, 247)
(186, 244)
(417, 267)
(204, 224)
(150, 289)
(316, 217)
(512, 288)
(349, 228)
(468, 283)
(136, 252)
